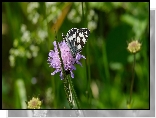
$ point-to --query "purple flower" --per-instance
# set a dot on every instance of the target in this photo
(67, 58)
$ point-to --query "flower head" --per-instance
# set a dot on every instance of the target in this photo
(134, 46)
(34, 103)
(67, 58)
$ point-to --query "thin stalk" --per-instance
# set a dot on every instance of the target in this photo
(105, 61)
(74, 93)
(88, 78)
(79, 113)
(88, 59)
(132, 82)
(68, 92)
(68, 86)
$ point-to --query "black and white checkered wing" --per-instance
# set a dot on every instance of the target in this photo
(76, 39)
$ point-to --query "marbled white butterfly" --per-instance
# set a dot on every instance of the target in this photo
(76, 39)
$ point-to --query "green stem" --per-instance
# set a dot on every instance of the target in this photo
(132, 82)
(84, 19)
(68, 86)
(74, 93)
(79, 113)
(68, 92)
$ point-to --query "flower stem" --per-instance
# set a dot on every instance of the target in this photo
(74, 93)
(132, 82)
(79, 113)
(68, 92)
(84, 19)
(68, 86)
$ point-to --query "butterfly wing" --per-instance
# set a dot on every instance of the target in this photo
(81, 38)
(76, 39)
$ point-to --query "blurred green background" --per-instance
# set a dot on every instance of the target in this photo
(28, 32)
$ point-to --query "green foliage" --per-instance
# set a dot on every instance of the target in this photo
(104, 80)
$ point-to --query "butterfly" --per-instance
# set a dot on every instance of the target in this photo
(76, 39)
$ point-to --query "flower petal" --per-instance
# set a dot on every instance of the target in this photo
(68, 60)
(72, 74)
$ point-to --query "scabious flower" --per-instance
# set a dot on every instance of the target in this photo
(134, 46)
(67, 58)
(34, 103)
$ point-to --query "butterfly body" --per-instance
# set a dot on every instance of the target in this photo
(76, 39)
